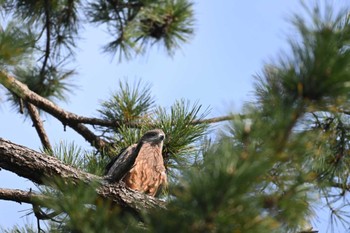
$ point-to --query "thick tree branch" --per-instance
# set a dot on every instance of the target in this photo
(39, 168)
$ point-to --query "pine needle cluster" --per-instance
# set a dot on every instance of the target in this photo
(135, 25)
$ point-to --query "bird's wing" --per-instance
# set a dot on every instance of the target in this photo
(114, 159)
(119, 166)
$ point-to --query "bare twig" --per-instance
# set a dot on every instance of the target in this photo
(341, 186)
(48, 38)
(19, 196)
(214, 119)
(38, 124)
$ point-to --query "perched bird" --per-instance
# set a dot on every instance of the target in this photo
(141, 165)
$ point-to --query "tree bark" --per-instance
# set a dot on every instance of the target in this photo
(41, 168)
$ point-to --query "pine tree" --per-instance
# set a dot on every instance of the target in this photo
(263, 172)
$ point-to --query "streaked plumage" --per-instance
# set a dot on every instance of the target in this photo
(148, 172)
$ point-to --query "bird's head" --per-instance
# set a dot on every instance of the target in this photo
(153, 136)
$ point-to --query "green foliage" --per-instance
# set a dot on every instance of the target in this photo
(266, 172)
(80, 209)
(52, 83)
(73, 155)
(52, 33)
(182, 128)
(58, 17)
(20, 229)
(170, 21)
(307, 73)
(69, 153)
(55, 86)
(95, 163)
(15, 44)
(128, 104)
(225, 194)
(314, 87)
(137, 24)
(127, 136)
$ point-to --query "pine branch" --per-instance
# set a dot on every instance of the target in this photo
(67, 118)
(214, 120)
(101, 122)
(20, 196)
(116, 123)
(39, 168)
(38, 124)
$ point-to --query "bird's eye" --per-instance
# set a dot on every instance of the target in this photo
(152, 134)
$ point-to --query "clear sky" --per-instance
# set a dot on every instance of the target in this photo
(233, 40)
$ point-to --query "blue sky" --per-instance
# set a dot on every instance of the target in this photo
(233, 40)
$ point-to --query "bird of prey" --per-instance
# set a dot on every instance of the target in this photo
(141, 165)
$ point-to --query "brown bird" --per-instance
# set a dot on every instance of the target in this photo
(141, 165)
